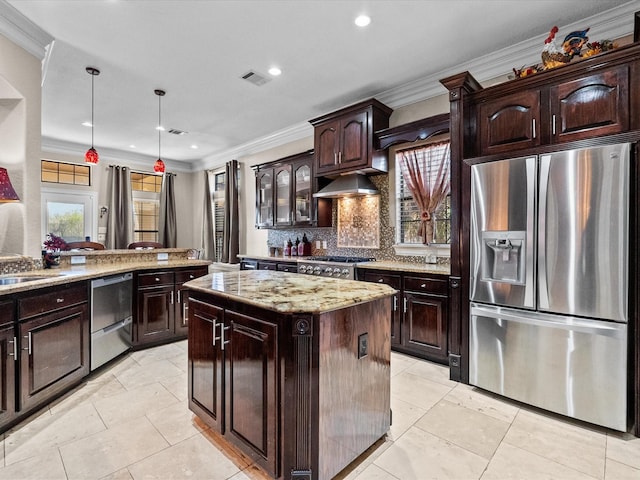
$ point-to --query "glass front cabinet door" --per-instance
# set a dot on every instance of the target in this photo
(264, 198)
(283, 195)
(302, 198)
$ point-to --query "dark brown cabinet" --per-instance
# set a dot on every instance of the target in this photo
(8, 362)
(419, 314)
(562, 111)
(160, 307)
(234, 380)
(343, 140)
(284, 194)
(53, 336)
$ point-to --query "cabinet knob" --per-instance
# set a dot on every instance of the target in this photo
(59, 300)
(454, 283)
(424, 285)
(157, 279)
(191, 277)
(380, 280)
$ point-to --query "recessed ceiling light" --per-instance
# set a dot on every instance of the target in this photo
(195, 147)
(363, 20)
(275, 71)
(86, 124)
(132, 146)
(160, 127)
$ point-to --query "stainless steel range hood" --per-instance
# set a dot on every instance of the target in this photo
(348, 185)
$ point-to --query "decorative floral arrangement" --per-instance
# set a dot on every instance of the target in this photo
(575, 44)
(54, 242)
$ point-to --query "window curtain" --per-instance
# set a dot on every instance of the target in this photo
(425, 171)
(207, 243)
(120, 219)
(231, 242)
(167, 231)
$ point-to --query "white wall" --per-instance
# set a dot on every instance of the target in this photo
(20, 222)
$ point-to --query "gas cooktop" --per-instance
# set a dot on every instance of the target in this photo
(340, 259)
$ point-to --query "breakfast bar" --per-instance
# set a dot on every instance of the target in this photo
(292, 370)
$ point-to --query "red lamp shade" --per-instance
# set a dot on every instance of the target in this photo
(158, 166)
(91, 156)
(7, 193)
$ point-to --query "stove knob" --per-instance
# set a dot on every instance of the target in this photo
(345, 272)
(328, 271)
(302, 269)
(336, 272)
(316, 270)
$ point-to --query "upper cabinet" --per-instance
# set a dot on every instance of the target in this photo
(284, 194)
(344, 140)
(585, 100)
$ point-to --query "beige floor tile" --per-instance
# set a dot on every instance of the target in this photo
(139, 375)
(47, 465)
(431, 371)
(367, 458)
(114, 449)
(95, 389)
(404, 415)
(178, 386)
(373, 472)
(417, 391)
(194, 458)
(484, 402)
(579, 448)
(175, 422)
(123, 474)
(252, 472)
(181, 362)
(400, 362)
(163, 352)
(624, 448)
(50, 431)
(134, 403)
(513, 463)
(419, 455)
(619, 471)
(467, 428)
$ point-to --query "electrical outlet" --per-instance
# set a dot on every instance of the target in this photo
(78, 259)
(324, 244)
(363, 345)
(163, 256)
(318, 244)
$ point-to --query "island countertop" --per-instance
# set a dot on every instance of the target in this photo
(289, 292)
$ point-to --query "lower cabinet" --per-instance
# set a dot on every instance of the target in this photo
(53, 340)
(160, 309)
(8, 363)
(233, 379)
(420, 312)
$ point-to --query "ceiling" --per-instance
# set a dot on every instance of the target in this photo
(198, 51)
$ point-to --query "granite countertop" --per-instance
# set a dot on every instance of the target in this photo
(74, 273)
(432, 268)
(289, 292)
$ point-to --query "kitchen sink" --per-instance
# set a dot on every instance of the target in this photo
(13, 280)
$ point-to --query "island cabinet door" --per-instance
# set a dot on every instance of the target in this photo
(8, 371)
(252, 388)
(155, 316)
(206, 363)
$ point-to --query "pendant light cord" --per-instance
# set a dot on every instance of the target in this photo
(159, 125)
(92, 78)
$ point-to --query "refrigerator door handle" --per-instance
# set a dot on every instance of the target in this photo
(543, 292)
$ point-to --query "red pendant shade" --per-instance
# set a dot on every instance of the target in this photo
(158, 166)
(7, 193)
(91, 156)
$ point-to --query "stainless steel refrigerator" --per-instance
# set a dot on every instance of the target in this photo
(549, 281)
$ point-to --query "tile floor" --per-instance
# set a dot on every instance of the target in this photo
(132, 422)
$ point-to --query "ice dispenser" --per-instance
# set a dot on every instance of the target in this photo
(503, 257)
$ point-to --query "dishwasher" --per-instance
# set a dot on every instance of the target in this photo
(111, 317)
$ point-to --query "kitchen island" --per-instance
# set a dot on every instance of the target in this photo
(293, 370)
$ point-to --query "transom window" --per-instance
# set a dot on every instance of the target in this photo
(145, 188)
(67, 173)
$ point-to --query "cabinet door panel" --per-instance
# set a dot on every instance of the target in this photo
(394, 281)
(425, 327)
(590, 106)
(155, 314)
(55, 353)
(354, 142)
(8, 364)
(252, 386)
(510, 122)
(264, 198)
(326, 144)
(205, 362)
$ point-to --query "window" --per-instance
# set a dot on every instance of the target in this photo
(66, 173)
(218, 213)
(145, 188)
(68, 215)
(407, 212)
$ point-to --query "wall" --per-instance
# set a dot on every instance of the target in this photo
(20, 74)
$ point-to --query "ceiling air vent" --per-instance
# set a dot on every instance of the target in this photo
(175, 131)
(255, 78)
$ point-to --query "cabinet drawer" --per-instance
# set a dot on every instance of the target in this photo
(386, 279)
(6, 312)
(288, 267)
(52, 300)
(186, 275)
(157, 278)
(267, 266)
(426, 285)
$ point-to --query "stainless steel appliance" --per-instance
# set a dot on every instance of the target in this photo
(334, 266)
(111, 317)
(549, 281)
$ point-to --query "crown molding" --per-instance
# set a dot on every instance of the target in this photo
(22, 31)
(133, 159)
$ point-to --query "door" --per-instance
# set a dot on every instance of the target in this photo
(503, 195)
(572, 366)
(8, 349)
(264, 198)
(424, 330)
(206, 363)
(283, 195)
(326, 144)
(302, 194)
(583, 232)
(155, 319)
(354, 151)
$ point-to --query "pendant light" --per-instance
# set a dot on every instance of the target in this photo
(92, 156)
(159, 165)
(7, 192)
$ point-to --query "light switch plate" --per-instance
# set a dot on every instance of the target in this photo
(163, 256)
(78, 259)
